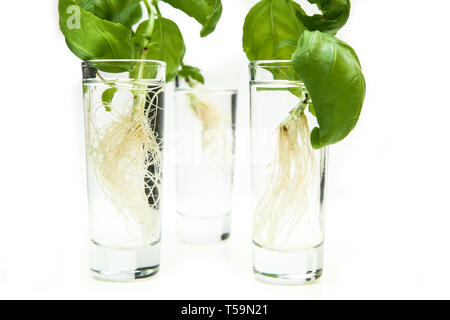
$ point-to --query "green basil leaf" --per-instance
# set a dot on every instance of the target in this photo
(332, 75)
(288, 74)
(90, 37)
(206, 12)
(166, 44)
(289, 43)
(269, 23)
(88, 5)
(311, 109)
(125, 12)
(107, 97)
(191, 73)
(335, 14)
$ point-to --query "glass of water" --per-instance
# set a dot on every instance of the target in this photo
(205, 118)
(288, 177)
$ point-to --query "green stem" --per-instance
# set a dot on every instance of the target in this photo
(147, 35)
(296, 112)
(155, 4)
(190, 83)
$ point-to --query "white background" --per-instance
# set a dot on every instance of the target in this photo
(388, 220)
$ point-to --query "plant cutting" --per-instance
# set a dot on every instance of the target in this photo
(124, 114)
(325, 76)
(212, 120)
(205, 121)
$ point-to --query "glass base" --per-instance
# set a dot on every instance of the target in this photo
(120, 265)
(291, 267)
(203, 230)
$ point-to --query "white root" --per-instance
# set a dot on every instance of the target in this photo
(214, 130)
(127, 160)
(286, 199)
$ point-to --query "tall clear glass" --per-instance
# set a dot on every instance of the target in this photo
(288, 177)
(124, 112)
(205, 123)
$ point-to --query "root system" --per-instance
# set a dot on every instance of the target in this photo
(214, 129)
(286, 199)
(127, 159)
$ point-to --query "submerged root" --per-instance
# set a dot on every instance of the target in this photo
(287, 196)
(127, 159)
(214, 130)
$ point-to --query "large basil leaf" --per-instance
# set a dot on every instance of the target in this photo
(126, 12)
(269, 23)
(334, 17)
(88, 5)
(206, 12)
(332, 75)
(90, 37)
(166, 44)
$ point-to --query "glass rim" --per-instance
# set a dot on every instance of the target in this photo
(214, 80)
(271, 63)
(156, 62)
